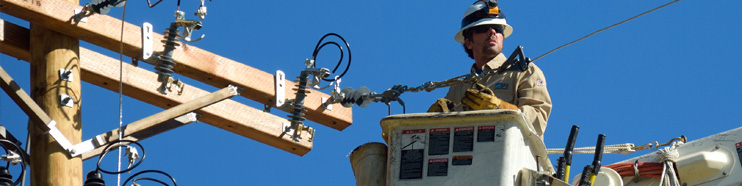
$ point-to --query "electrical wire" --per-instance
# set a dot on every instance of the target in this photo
(28, 151)
(319, 46)
(121, 91)
(151, 179)
(117, 144)
(134, 182)
(431, 85)
(604, 29)
(3, 143)
(152, 5)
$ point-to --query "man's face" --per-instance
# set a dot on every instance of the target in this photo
(486, 41)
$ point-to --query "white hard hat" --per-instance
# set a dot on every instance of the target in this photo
(483, 12)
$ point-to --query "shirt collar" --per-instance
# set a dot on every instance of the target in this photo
(495, 63)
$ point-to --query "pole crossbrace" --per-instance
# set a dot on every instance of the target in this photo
(150, 126)
(24, 101)
(94, 147)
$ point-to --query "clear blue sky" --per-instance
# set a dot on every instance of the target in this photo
(672, 72)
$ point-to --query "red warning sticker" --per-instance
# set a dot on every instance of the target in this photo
(438, 160)
(463, 139)
(458, 129)
(486, 133)
(462, 160)
(413, 139)
(486, 127)
(413, 131)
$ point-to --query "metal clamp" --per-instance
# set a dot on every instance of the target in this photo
(280, 88)
(12, 157)
(132, 154)
(177, 85)
(147, 40)
(327, 103)
(656, 145)
(66, 74)
(188, 26)
(201, 12)
(66, 100)
(81, 15)
(170, 83)
(301, 127)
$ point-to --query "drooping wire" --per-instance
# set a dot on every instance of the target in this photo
(604, 29)
(118, 144)
(134, 182)
(151, 179)
(320, 45)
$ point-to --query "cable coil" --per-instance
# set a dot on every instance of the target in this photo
(118, 143)
(24, 161)
(297, 116)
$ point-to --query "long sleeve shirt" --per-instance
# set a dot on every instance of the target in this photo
(525, 89)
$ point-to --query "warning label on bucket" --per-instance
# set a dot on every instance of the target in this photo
(463, 139)
(439, 138)
(412, 154)
(462, 160)
(413, 139)
(411, 165)
(438, 167)
(486, 133)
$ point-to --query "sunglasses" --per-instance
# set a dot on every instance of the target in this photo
(485, 28)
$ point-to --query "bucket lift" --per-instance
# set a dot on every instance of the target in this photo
(497, 147)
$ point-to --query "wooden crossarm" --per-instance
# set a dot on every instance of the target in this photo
(140, 84)
(192, 62)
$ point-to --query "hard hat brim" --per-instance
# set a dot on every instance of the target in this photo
(507, 29)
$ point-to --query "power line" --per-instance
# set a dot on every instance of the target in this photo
(604, 29)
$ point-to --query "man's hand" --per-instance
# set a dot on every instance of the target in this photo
(480, 98)
(441, 105)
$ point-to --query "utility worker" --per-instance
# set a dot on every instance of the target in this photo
(483, 30)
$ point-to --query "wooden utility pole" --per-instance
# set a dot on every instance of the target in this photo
(51, 51)
(52, 44)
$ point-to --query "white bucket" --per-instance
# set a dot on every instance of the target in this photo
(369, 164)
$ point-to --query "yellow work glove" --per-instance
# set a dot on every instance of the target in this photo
(480, 98)
(441, 105)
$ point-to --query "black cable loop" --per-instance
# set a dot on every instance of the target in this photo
(318, 47)
(6, 152)
(117, 144)
(153, 5)
(148, 179)
(153, 171)
(23, 158)
(341, 55)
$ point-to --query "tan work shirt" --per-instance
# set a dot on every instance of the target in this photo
(525, 89)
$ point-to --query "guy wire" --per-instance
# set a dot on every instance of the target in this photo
(121, 91)
(604, 29)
